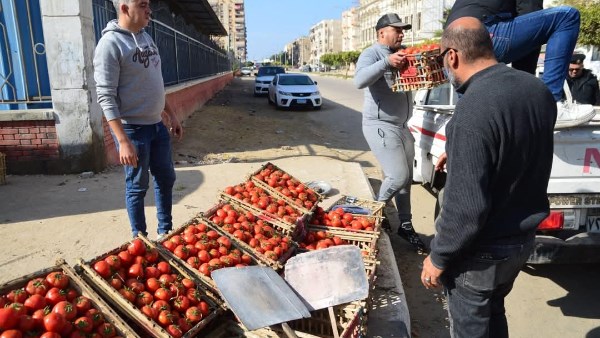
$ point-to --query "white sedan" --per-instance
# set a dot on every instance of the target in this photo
(294, 90)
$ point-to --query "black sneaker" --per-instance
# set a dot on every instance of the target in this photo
(385, 225)
(406, 231)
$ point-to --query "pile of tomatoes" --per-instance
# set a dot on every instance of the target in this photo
(338, 218)
(315, 240)
(144, 279)
(288, 186)
(250, 194)
(421, 48)
(258, 234)
(205, 249)
(48, 307)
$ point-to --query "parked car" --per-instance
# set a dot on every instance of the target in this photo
(264, 77)
(294, 90)
(246, 71)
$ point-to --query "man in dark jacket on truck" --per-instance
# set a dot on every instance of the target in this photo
(582, 83)
(500, 148)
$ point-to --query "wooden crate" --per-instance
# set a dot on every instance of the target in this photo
(264, 260)
(351, 232)
(375, 207)
(82, 288)
(211, 226)
(151, 328)
(277, 193)
(423, 72)
(295, 230)
(2, 168)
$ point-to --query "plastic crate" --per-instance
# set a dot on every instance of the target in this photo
(211, 226)
(151, 328)
(423, 72)
(82, 288)
(375, 207)
(261, 183)
(263, 259)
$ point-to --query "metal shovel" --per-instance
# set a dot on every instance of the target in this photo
(259, 297)
(328, 277)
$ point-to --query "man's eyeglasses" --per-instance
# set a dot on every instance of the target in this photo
(440, 58)
(574, 69)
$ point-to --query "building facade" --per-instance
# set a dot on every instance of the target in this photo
(350, 30)
(240, 40)
(325, 38)
(225, 11)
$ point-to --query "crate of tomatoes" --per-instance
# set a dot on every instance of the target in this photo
(152, 290)
(56, 302)
(356, 225)
(285, 186)
(263, 239)
(359, 206)
(424, 71)
(267, 206)
(319, 237)
(202, 248)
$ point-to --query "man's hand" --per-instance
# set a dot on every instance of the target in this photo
(398, 60)
(176, 128)
(128, 153)
(441, 163)
(430, 275)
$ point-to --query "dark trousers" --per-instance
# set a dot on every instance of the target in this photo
(476, 286)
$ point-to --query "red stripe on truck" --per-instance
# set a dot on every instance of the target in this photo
(428, 133)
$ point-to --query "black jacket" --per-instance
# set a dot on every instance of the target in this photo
(500, 148)
(487, 9)
(584, 89)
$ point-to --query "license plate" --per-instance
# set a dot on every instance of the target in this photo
(593, 224)
(301, 101)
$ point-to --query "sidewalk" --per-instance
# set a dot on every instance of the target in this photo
(46, 217)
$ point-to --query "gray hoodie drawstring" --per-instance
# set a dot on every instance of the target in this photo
(136, 42)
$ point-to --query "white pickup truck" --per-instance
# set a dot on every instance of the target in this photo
(571, 234)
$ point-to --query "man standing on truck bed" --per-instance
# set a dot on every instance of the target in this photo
(516, 35)
(500, 148)
(385, 114)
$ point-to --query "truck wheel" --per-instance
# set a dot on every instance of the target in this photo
(438, 203)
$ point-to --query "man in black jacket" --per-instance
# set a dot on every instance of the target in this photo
(582, 83)
(518, 30)
(500, 148)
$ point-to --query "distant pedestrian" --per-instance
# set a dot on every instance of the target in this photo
(582, 83)
(130, 88)
(385, 117)
(500, 148)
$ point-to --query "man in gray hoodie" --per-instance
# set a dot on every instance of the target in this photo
(385, 116)
(131, 92)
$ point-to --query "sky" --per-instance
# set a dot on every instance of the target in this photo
(271, 24)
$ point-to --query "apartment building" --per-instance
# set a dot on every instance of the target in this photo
(232, 16)
(325, 37)
(426, 16)
(350, 30)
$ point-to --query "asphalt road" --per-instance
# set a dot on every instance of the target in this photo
(547, 300)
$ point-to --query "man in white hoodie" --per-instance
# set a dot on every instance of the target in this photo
(130, 88)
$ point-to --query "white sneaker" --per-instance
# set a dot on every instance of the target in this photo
(571, 114)
(160, 237)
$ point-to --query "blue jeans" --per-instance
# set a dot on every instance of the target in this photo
(476, 286)
(394, 149)
(153, 146)
(557, 27)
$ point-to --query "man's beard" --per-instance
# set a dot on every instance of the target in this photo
(453, 80)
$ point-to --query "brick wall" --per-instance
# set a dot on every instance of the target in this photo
(28, 140)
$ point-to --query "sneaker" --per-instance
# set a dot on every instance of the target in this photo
(385, 225)
(406, 231)
(571, 114)
(160, 237)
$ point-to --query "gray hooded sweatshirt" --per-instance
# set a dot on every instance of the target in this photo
(129, 82)
(375, 74)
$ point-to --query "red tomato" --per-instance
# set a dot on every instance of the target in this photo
(163, 267)
(165, 318)
(82, 304)
(102, 268)
(127, 294)
(193, 314)
(151, 255)
(116, 283)
(135, 285)
(96, 316)
(114, 261)
(204, 308)
(17, 296)
(66, 309)
(136, 271)
(26, 323)
(55, 295)
(144, 298)
(163, 294)
(161, 305)
(35, 302)
(11, 334)
(50, 335)
(84, 324)
(136, 247)
(37, 286)
(181, 303)
(125, 258)
(152, 284)
(188, 283)
(151, 271)
(57, 279)
(54, 322)
(8, 318)
(174, 331)
(106, 330)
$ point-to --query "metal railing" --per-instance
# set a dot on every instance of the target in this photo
(24, 81)
(186, 54)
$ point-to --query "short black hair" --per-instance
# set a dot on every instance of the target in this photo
(474, 43)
